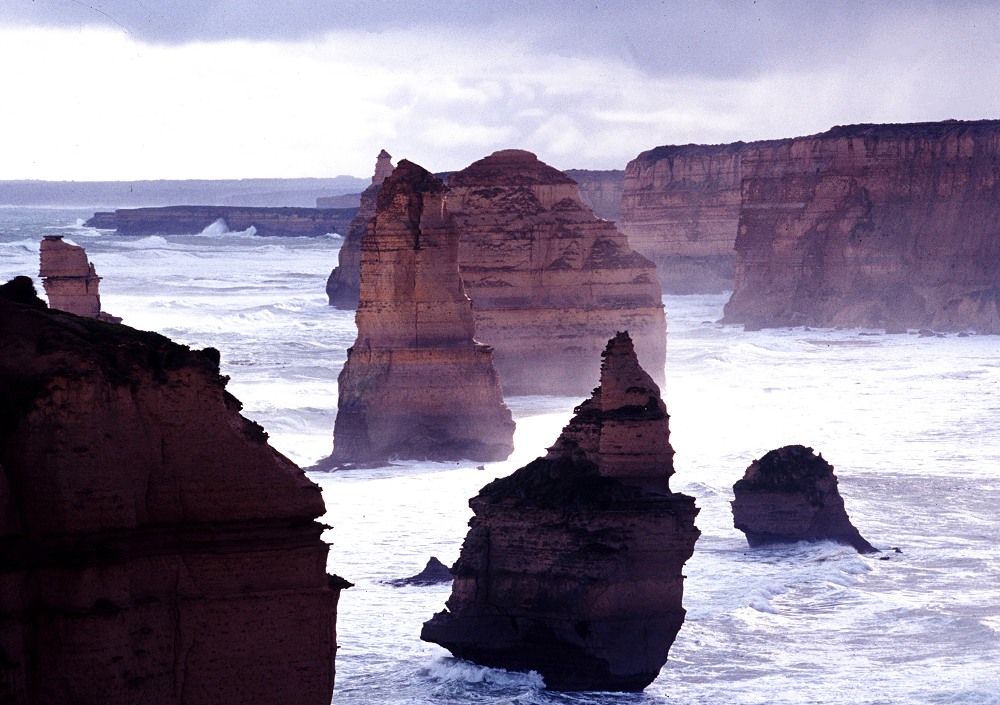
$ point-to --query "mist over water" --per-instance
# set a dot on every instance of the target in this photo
(910, 425)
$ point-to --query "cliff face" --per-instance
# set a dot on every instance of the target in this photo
(343, 287)
(549, 281)
(184, 220)
(153, 547)
(887, 226)
(416, 384)
(601, 190)
(680, 207)
(791, 495)
(572, 565)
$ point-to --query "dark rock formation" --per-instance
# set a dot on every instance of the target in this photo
(153, 548)
(791, 495)
(549, 281)
(600, 190)
(434, 573)
(186, 220)
(343, 287)
(416, 384)
(71, 282)
(883, 226)
(572, 565)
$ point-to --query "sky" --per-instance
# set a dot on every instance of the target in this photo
(150, 89)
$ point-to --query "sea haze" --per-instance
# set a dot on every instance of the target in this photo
(909, 423)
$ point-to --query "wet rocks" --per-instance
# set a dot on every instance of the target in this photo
(790, 495)
(550, 281)
(434, 573)
(416, 383)
(71, 282)
(153, 547)
(572, 565)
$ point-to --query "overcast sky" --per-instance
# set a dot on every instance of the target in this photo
(141, 89)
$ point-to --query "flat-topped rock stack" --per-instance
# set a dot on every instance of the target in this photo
(70, 280)
(416, 383)
(572, 565)
(550, 281)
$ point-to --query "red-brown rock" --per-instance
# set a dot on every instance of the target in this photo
(791, 495)
(153, 548)
(416, 384)
(71, 282)
(572, 565)
(549, 280)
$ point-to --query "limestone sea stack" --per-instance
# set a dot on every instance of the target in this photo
(791, 495)
(882, 226)
(550, 281)
(572, 565)
(70, 280)
(343, 286)
(153, 547)
(416, 383)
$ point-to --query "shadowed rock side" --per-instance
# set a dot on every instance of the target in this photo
(883, 226)
(550, 281)
(416, 384)
(434, 573)
(187, 220)
(153, 548)
(343, 286)
(791, 495)
(71, 282)
(572, 565)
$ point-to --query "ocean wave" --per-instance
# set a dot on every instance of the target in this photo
(451, 670)
(220, 227)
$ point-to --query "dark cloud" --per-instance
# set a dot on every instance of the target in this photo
(712, 38)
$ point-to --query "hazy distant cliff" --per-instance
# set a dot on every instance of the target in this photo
(183, 220)
(890, 226)
(601, 190)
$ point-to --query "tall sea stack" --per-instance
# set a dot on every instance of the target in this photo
(572, 565)
(71, 282)
(416, 383)
(343, 287)
(153, 547)
(550, 281)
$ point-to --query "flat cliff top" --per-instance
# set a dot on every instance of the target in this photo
(509, 167)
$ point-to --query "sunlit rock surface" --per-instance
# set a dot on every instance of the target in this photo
(71, 282)
(791, 495)
(572, 565)
(343, 285)
(883, 226)
(153, 547)
(416, 384)
(550, 281)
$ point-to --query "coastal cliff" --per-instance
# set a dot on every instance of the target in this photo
(601, 190)
(572, 564)
(153, 547)
(416, 383)
(550, 281)
(187, 220)
(881, 226)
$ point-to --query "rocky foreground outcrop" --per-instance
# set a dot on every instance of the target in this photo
(550, 282)
(187, 220)
(791, 495)
(71, 282)
(883, 226)
(572, 565)
(416, 384)
(343, 287)
(153, 548)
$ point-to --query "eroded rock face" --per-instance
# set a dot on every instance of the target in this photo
(153, 547)
(572, 565)
(71, 282)
(416, 384)
(791, 495)
(883, 226)
(550, 281)
(343, 286)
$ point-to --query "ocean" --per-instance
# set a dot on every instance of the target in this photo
(911, 425)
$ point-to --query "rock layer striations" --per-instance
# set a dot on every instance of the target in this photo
(416, 384)
(153, 547)
(343, 287)
(549, 280)
(71, 282)
(572, 565)
(885, 226)
(791, 495)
